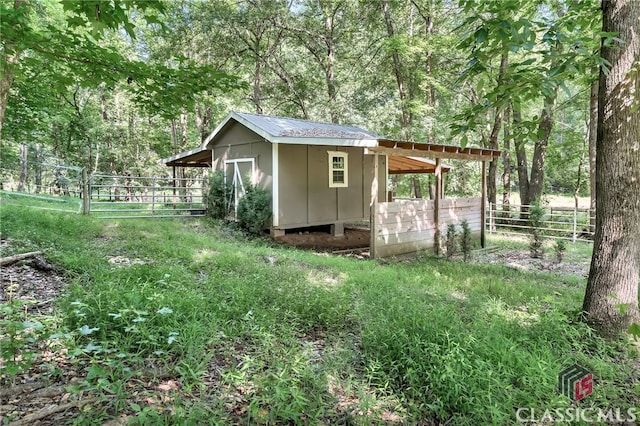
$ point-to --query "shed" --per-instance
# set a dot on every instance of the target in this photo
(322, 173)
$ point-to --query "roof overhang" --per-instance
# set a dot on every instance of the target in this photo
(398, 165)
(404, 157)
(448, 152)
(196, 157)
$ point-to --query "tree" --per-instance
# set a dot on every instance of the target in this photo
(611, 298)
(78, 46)
(547, 44)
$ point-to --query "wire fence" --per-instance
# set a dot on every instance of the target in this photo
(570, 223)
(71, 189)
(43, 186)
(139, 196)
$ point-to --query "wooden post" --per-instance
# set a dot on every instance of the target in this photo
(483, 205)
(373, 209)
(86, 192)
(436, 206)
(174, 186)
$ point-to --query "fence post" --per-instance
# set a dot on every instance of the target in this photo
(153, 196)
(86, 192)
(491, 223)
(575, 223)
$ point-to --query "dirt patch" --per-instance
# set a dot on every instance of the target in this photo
(321, 239)
(521, 260)
(36, 395)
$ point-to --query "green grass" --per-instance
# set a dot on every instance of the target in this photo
(258, 333)
(42, 201)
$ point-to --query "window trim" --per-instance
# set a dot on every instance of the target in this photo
(345, 156)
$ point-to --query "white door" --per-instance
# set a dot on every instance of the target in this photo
(239, 173)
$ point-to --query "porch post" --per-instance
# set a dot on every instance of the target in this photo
(373, 208)
(436, 206)
(174, 186)
(483, 205)
(275, 185)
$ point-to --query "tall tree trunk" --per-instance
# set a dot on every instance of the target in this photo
(416, 187)
(8, 60)
(611, 298)
(506, 165)
(593, 130)
(22, 184)
(397, 69)
(329, 69)
(203, 120)
(426, 12)
(39, 159)
(492, 190)
(536, 181)
(523, 167)
(257, 76)
(181, 171)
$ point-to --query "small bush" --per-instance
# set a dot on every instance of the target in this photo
(218, 198)
(451, 240)
(437, 244)
(465, 240)
(254, 210)
(560, 247)
(535, 222)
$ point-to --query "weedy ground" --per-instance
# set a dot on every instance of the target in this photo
(188, 322)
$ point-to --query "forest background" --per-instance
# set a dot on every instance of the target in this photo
(150, 79)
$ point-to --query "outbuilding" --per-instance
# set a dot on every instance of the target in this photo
(331, 174)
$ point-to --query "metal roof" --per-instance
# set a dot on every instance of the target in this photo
(280, 126)
(294, 131)
(302, 132)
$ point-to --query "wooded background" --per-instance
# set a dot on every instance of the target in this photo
(149, 79)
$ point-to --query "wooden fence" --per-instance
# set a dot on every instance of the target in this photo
(407, 226)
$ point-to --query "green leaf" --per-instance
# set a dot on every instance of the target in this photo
(634, 330)
(481, 35)
(623, 308)
(566, 90)
(86, 330)
(527, 62)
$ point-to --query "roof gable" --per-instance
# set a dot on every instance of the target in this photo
(294, 131)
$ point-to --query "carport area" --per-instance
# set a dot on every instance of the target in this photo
(407, 226)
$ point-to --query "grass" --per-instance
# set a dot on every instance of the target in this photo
(256, 333)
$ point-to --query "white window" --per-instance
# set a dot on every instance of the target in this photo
(338, 169)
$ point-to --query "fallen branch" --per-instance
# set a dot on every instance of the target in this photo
(47, 411)
(18, 389)
(48, 392)
(18, 257)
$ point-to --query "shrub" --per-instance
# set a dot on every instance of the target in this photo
(254, 210)
(465, 240)
(560, 247)
(451, 240)
(218, 197)
(535, 222)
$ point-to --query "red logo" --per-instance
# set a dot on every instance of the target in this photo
(575, 382)
(583, 387)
